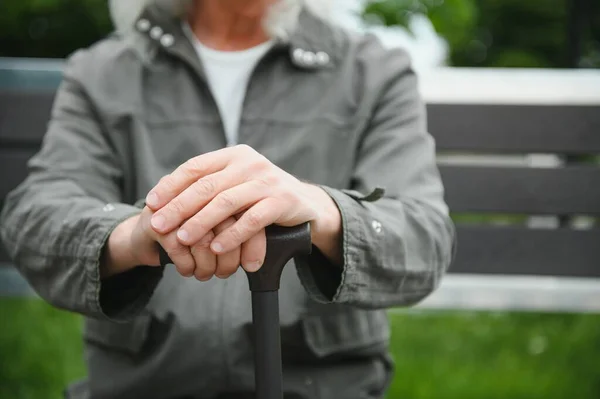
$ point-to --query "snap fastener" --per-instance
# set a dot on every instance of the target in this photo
(108, 208)
(298, 55)
(156, 32)
(309, 58)
(377, 226)
(322, 58)
(167, 40)
(308, 381)
(143, 25)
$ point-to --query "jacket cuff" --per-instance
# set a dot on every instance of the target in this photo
(122, 296)
(326, 282)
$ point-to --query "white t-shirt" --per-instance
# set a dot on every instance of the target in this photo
(228, 73)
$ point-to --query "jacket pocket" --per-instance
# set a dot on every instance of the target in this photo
(125, 337)
(347, 331)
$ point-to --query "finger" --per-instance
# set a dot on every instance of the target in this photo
(195, 168)
(228, 263)
(224, 205)
(193, 199)
(254, 251)
(180, 254)
(261, 215)
(205, 260)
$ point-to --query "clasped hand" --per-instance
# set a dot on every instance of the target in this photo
(210, 214)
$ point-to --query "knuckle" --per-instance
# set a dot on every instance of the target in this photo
(177, 250)
(191, 167)
(245, 148)
(288, 197)
(177, 207)
(204, 272)
(169, 245)
(168, 182)
(254, 219)
(263, 185)
(163, 180)
(271, 179)
(200, 276)
(260, 163)
(205, 186)
(235, 233)
(227, 201)
(226, 270)
(185, 269)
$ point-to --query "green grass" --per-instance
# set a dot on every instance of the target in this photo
(496, 355)
(40, 349)
(438, 354)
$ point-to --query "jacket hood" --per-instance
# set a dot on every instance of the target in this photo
(280, 22)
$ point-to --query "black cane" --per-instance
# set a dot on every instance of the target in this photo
(283, 244)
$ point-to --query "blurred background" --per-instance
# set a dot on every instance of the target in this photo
(441, 351)
(478, 33)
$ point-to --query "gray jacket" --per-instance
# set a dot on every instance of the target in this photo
(131, 108)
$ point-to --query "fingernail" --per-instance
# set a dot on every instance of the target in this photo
(252, 266)
(183, 235)
(152, 200)
(158, 222)
(216, 247)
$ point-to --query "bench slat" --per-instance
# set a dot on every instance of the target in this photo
(516, 128)
(13, 168)
(522, 251)
(519, 190)
(30, 74)
(24, 117)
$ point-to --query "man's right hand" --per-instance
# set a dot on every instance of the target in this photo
(134, 242)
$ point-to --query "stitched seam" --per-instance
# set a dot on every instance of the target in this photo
(346, 252)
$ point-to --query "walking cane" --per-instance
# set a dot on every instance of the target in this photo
(283, 243)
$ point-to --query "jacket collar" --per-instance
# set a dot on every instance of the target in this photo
(314, 45)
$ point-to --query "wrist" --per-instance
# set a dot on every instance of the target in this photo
(118, 256)
(326, 228)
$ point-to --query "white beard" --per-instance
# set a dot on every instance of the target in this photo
(280, 22)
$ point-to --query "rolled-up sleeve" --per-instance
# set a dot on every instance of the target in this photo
(397, 236)
(56, 224)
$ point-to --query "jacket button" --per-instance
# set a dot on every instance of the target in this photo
(309, 58)
(167, 40)
(156, 32)
(143, 25)
(108, 208)
(377, 226)
(299, 55)
(322, 58)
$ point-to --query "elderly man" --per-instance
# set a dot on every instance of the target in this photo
(195, 126)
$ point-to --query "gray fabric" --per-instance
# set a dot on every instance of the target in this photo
(130, 110)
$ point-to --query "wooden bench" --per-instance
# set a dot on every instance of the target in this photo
(487, 124)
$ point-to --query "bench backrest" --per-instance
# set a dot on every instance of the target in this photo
(492, 120)
(509, 116)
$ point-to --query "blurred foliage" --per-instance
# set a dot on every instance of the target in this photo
(51, 28)
(500, 33)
